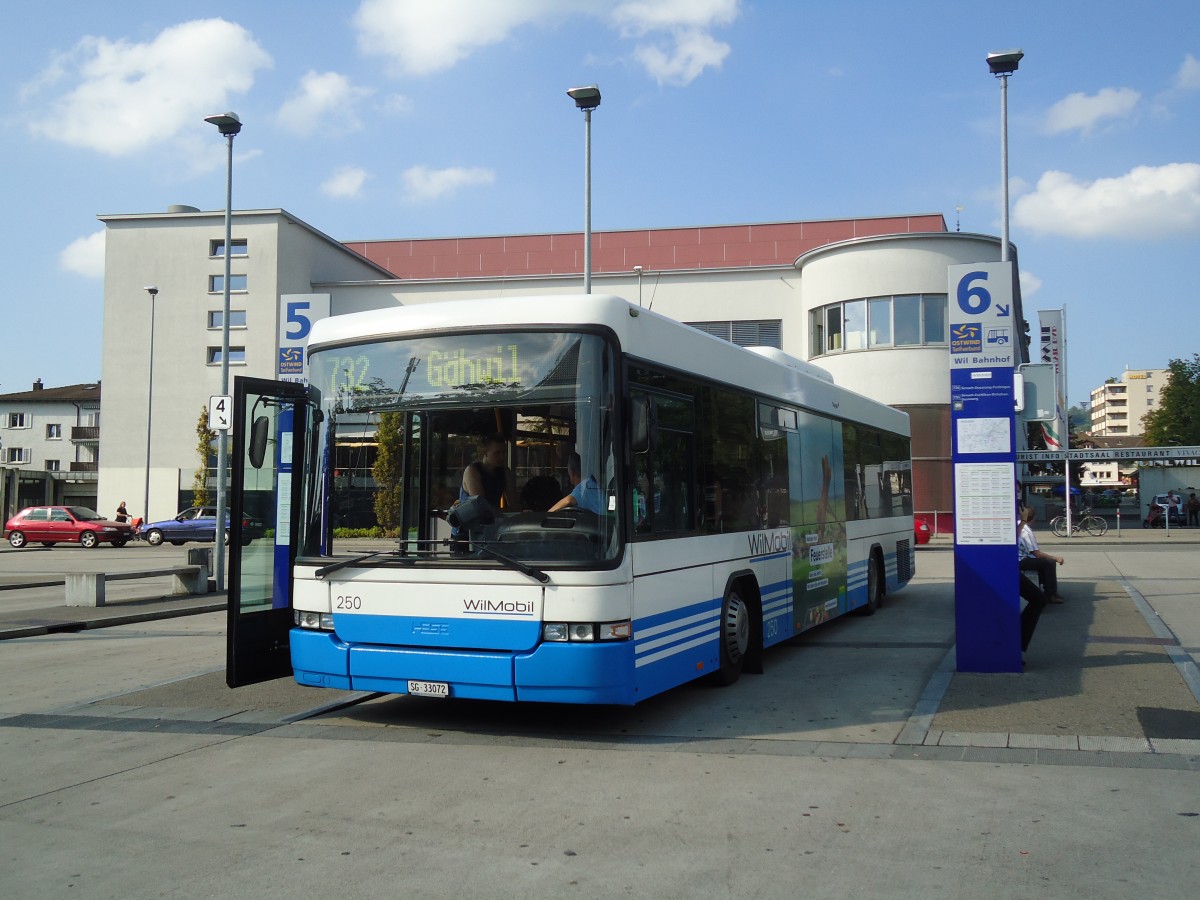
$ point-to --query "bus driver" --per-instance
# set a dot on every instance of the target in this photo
(585, 493)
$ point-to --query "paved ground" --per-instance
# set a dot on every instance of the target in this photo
(860, 764)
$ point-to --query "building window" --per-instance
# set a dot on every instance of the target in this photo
(216, 283)
(18, 420)
(237, 247)
(237, 318)
(16, 454)
(905, 320)
(746, 333)
(54, 432)
(237, 356)
(53, 465)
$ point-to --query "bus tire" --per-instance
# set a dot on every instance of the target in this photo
(737, 620)
(874, 585)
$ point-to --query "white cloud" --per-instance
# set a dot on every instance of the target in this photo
(317, 95)
(84, 256)
(1188, 76)
(645, 16)
(420, 37)
(422, 183)
(673, 37)
(687, 48)
(1148, 202)
(394, 105)
(683, 62)
(1030, 284)
(128, 96)
(346, 182)
(1080, 112)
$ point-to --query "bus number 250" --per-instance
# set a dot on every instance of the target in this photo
(347, 602)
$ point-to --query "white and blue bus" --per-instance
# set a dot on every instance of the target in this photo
(736, 497)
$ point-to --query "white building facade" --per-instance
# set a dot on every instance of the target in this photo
(863, 298)
(49, 439)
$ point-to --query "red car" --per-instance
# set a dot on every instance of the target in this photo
(921, 531)
(50, 525)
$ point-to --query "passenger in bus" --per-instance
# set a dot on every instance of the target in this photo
(488, 477)
(585, 492)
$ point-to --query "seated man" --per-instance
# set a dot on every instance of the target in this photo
(1031, 558)
(585, 493)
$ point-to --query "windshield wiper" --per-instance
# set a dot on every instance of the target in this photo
(535, 574)
(352, 561)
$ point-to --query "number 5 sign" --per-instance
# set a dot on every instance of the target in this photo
(983, 324)
(297, 312)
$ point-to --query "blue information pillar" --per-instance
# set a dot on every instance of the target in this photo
(983, 331)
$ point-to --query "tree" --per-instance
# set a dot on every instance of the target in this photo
(1176, 420)
(389, 496)
(204, 441)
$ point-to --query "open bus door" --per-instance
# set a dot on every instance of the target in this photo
(270, 428)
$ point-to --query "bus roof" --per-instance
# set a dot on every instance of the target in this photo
(642, 334)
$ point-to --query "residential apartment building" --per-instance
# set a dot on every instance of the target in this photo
(1118, 406)
(49, 443)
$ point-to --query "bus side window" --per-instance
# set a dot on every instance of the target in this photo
(664, 488)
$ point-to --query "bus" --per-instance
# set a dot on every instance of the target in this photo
(738, 497)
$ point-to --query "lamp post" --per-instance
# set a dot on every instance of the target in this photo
(229, 125)
(1003, 63)
(587, 98)
(153, 292)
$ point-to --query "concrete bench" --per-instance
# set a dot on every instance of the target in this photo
(87, 588)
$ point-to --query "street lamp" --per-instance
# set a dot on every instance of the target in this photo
(587, 98)
(1003, 63)
(153, 292)
(229, 125)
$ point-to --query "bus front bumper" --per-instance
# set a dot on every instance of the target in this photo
(573, 672)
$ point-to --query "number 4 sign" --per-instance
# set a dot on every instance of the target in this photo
(220, 412)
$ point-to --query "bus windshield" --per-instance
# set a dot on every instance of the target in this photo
(479, 449)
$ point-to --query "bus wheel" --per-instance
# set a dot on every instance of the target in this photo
(874, 586)
(735, 636)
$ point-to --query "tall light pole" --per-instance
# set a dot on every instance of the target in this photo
(587, 98)
(153, 292)
(1003, 63)
(229, 125)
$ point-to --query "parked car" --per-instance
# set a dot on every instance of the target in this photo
(921, 530)
(197, 523)
(50, 525)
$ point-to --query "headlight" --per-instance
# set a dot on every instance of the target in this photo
(587, 632)
(314, 620)
(583, 631)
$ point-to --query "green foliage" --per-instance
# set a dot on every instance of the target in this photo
(1176, 420)
(204, 441)
(389, 497)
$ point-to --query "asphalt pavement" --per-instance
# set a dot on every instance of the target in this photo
(1112, 671)
(860, 764)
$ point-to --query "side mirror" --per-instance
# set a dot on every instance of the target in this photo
(257, 451)
(641, 417)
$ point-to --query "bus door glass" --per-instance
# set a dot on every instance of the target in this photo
(270, 428)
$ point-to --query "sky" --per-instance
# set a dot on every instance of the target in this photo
(432, 118)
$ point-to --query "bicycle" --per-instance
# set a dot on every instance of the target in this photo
(1088, 521)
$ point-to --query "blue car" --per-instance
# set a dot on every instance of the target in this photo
(198, 523)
